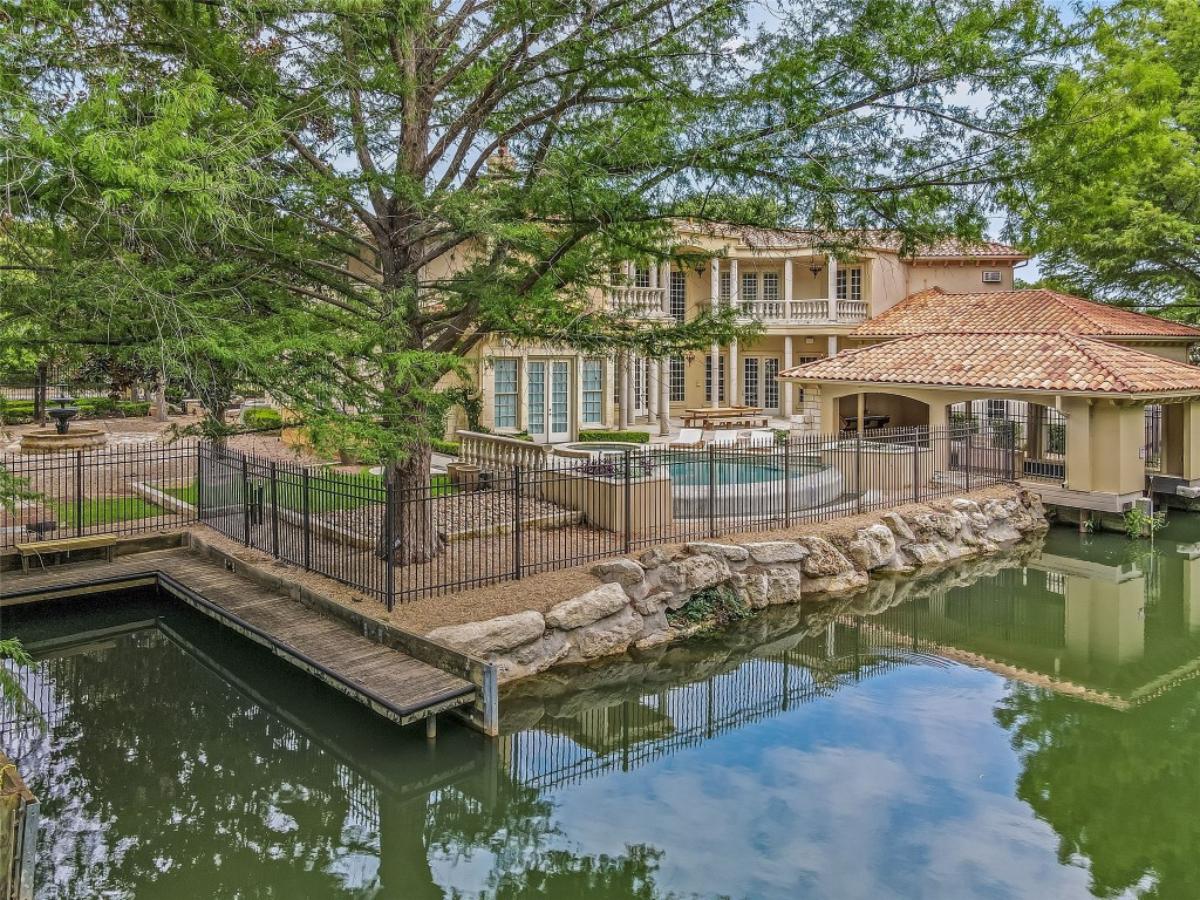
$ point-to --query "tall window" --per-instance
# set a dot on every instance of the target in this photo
(749, 287)
(849, 283)
(641, 277)
(770, 286)
(708, 387)
(726, 287)
(677, 382)
(504, 395)
(678, 296)
(997, 409)
(593, 391)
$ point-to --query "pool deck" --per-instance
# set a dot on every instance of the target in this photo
(398, 675)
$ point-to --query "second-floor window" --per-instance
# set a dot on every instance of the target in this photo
(641, 277)
(750, 287)
(770, 287)
(726, 287)
(849, 283)
(504, 413)
(678, 296)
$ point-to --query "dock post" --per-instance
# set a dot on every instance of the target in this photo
(431, 727)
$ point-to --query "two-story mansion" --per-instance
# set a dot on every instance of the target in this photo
(807, 301)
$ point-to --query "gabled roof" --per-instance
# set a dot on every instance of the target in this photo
(996, 312)
(868, 239)
(1059, 363)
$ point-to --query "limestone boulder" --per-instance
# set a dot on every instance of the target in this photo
(730, 552)
(823, 559)
(611, 635)
(652, 603)
(585, 609)
(851, 580)
(770, 552)
(1002, 532)
(620, 571)
(652, 626)
(872, 547)
(964, 505)
(654, 557)
(898, 527)
(927, 554)
(696, 572)
(496, 635)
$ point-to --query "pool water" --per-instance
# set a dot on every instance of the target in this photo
(1012, 729)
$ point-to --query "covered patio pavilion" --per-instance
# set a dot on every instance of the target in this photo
(1099, 388)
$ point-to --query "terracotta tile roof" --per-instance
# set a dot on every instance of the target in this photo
(1031, 362)
(870, 239)
(1016, 311)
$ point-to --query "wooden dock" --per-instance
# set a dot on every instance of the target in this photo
(401, 676)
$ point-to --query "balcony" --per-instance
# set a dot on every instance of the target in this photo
(637, 302)
(818, 311)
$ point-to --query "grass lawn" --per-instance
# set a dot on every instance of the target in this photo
(332, 491)
(102, 510)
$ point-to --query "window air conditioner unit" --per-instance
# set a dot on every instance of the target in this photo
(992, 276)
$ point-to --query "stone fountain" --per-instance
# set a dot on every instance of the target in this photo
(62, 439)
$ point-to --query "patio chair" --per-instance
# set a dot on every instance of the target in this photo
(689, 439)
(724, 438)
(761, 438)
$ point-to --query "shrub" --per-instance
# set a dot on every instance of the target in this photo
(450, 448)
(262, 418)
(711, 608)
(15, 412)
(1056, 440)
(1006, 433)
(622, 437)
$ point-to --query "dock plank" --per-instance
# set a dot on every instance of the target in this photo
(388, 680)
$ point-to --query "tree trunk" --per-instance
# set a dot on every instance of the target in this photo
(414, 534)
(160, 401)
(39, 393)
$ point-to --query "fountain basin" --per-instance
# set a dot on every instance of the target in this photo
(53, 442)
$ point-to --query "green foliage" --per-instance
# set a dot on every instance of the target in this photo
(622, 437)
(20, 412)
(13, 489)
(12, 696)
(450, 448)
(1112, 201)
(1006, 433)
(1056, 438)
(1140, 524)
(261, 418)
(711, 608)
(963, 422)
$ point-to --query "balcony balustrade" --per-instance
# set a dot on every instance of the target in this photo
(637, 302)
(819, 311)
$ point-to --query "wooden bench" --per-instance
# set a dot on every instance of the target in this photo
(107, 542)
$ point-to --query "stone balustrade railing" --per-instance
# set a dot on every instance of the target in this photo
(640, 302)
(817, 311)
(495, 451)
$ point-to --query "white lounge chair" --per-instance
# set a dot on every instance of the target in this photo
(689, 439)
(728, 438)
(763, 438)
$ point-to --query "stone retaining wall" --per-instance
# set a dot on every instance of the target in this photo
(630, 608)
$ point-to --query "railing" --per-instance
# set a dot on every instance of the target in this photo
(18, 834)
(521, 512)
(819, 311)
(639, 302)
(498, 451)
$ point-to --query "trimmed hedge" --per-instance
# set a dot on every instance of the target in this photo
(262, 418)
(450, 448)
(18, 412)
(622, 437)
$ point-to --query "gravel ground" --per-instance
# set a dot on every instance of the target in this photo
(454, 514)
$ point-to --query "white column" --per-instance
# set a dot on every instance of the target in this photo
(714, 271)
(787, 390)
(651, 388)
(787, 286)
(731, 378)
(664, 281)
(626, 389)
(831, 287)
(832, 344)
(714, 354)
(735, 290)
(653, 276)
(664, 399)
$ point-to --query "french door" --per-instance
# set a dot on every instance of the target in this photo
(640, 387)
(759, 384)
(548, 398)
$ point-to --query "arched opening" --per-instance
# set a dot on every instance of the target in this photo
(881, 411)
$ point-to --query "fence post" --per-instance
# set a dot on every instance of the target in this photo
(78, 492)
(389, 536)
(787, 482)
(199, 481)
(628, 514)
(246, 501)
(967, 464)
(274, 511)
(858, 497)
(518, 560)
(305, 516)
(916, 472)
(712, 494)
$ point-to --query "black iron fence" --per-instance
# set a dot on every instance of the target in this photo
(497, 522)
(1028, 438)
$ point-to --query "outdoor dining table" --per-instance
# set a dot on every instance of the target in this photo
(706, 417)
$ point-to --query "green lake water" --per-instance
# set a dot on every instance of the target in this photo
(909, 743)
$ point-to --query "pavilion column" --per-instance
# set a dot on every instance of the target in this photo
(714, 354)
(664, 399)
(626, 390)
(786, 389)
(787, 287)
(1079, 443)
(731, 378)
(831, 344)
(735, 291)
(664, 282)
(860, 411)
(831, 265)
(714, 286)
(1191, 440)
(653, 276)
(1117, 464)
